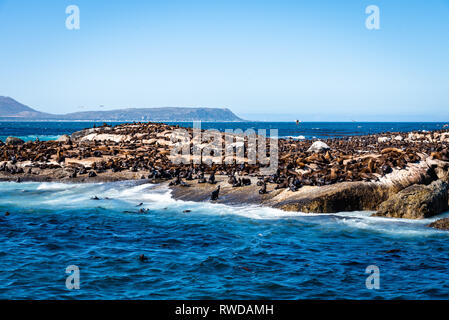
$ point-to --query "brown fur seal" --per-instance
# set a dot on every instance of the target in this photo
(214, 195)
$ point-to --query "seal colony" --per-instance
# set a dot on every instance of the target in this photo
(394, 174)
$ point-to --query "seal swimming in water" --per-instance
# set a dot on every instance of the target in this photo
(214, 195)
(142, 258)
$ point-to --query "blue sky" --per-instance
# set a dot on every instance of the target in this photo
(306, 59)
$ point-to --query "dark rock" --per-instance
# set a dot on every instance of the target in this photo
(347, 196)
(442, 224)
(416, 202)
(14, 141)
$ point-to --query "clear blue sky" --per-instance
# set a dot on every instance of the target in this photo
(254, 57)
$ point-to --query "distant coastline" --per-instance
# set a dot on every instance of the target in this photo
(119, 121)
(12, 110)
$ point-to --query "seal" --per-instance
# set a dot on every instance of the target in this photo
(211, 179)
(214, 195)
(263, 190)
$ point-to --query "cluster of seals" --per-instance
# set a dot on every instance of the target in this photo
(144, 149)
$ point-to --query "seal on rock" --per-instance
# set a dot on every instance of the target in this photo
(214, 195)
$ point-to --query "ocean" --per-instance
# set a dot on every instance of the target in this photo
(31, 130)
(213, 251)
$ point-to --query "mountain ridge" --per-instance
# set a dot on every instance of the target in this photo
(11, 109)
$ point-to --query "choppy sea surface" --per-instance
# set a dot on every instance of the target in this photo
(214, 251)
(50, 130)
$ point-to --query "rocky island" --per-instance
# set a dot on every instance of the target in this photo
(400, 175)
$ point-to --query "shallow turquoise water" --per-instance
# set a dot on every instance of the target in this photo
(213, 252)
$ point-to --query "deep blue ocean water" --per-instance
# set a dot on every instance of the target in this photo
(213, 252)
(51, 130)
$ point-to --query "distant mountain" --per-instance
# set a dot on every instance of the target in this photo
(10, 109)
(157, 114)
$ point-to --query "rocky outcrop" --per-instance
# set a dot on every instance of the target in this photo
(318, 146)
(64, 139)
(442, 224)
(14, 141)
(348, 196)
(354, 196)
(416, 202)
(345, 196)
(440, 167)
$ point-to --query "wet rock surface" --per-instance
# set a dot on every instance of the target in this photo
(442, 224)
(416, 202)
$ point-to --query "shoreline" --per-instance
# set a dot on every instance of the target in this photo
(350, 174)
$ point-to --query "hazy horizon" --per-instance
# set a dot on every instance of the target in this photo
(288, 117)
